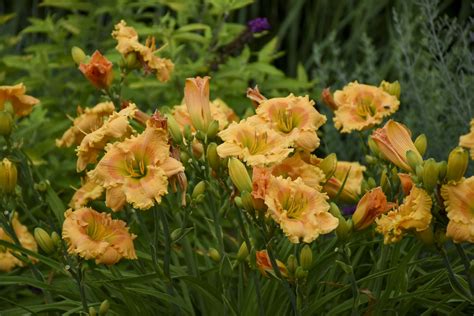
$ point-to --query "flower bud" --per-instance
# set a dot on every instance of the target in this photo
(374, 149)
(328, 99)
(239, 175)
(174, 130)
(392, 88)
(328, 165)
(199, 199)
(457, 164)
(384, 182)
(238, 202)
(188, 134)
(104, 308)
(247, 201)
(243, 252)
(214, 254)
(183, 156)
(199, 189)
(200, 135)
(371, 205)
(301, 273)
(212, 157)
(98, 71)
(213, 129)
(306, 257)
(413, 159)
(78, 55)
(44, 240)
(131, 61)
(92, 311)
(442, 167)
(370, 159)
(419, 172)
(421, 143)
(56, 239)
(430, 174)
(371, 182)
(8, 176)
(6, 123)
(291, 264)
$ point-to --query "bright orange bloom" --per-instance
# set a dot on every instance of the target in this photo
(459, 202)
(361, 106)
(7, 258)
(94, 235)
(22, 104)
(394, 141)
(413, 214)
(406, 182)
(371, 205)
(264, 264)
(89, 120)
(467, 140)
(352, 174)
(98, 71)
(137, 169)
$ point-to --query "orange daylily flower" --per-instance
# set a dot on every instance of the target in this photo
(371, 205)
(22, 104)
(98, 71)
(196, 97)
(264, 264)
(89, 191)
(467, 140)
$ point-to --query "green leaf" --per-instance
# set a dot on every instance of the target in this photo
(57, 206)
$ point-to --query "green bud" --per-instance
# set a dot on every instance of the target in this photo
(214, 254)
(419, 172)
(243, 252)
(92, 311)
(301, 273)
(213, 129)
(183, 156)
(457, 164)
(174, 130)
(328, 165)
(199, 199)
(384, 182)
(238, 202)
(212, 156)
(306, 257)
(44, 240)
(334, 210)
(371, 182)
(104, 307)
(374, 149)
(131, 61)
(78, 55)
(247, 201)
(413, 159)
(291, 264)
(200, 135)
(56, 239)
(175, 234)
(392, 88)
(430, 174)
(239, 175)
(442, 167)
(8, 176)
(6, 123)
(188, 134)
(370, 159)
(421, 143)
(199, 189)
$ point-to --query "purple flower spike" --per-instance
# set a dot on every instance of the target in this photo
(258, 25)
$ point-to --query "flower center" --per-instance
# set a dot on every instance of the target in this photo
(286, 121)
(256, 142)
(295, 205)
(136, 168)
(366, 107)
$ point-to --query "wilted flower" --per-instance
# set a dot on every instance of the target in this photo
(349, 174)
(127, 39)
(371, 205)
(361, 106)
(88, 121)
(394, 141)
(413, 214)
(137, 169)
(467, 140)
(89, 191)
(7, 258)
(115, 127)
(255, 96)
(294, 118)
(94, 235)
(264, 264)
(255, 144)
(22, 104)
(98, 71)
(459, 203)
(301, 211)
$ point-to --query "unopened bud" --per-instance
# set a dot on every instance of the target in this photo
(413, 159)
(174, 130)
(301, 273)
(306, 257)
(239, 175)
(371, 182)
(238, 202)
(421, 143)
(8, 176)
(328, 99)
(430, 174)
(328, 165)
(44, 240)
(243, 252)
(200, 135)
(175, 234)
(291, 264)
(104, 308)
(384, 182)
(213, 129)
(199, 199)
(247, 201)
(392, 88)
(6, 123)
(187, 133)
(212, 156)
(419, 172)
(131, 61)
(92, 311)
(442, 167)
(370, 159)
(457, 164)
(374, 149)
(214, 254)
(199, 189)
(78, 55)
(56, 239)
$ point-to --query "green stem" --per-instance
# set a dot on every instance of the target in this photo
(451, 274)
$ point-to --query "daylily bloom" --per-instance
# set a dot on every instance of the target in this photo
(361, 106)
(394, 141)
(22, 104)
(137, 169)
(352, 174)
(98, 71)
(89, 120)
(127, 43)
(459, 202)
(406, 182)
(264, 264)
(7, 259)
(255, 96)
(116, 127)
(294, 118)
(94, 235)
(413, 214)
(301, 211)
(89, 191)
(371, 205)
(467, 140)
(255, 144)
(196, 98)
